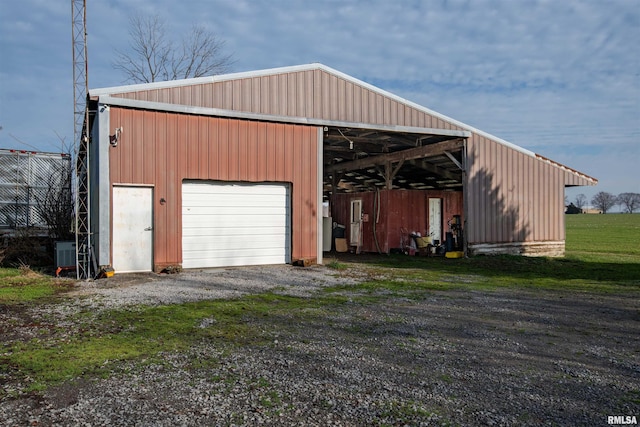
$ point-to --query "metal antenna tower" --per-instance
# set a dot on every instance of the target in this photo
(81, 134)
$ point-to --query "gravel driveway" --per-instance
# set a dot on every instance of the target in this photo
(501, 357)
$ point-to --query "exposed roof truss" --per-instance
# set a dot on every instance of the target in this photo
(358, 159)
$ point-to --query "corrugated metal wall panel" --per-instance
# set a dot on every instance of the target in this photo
(325, 100)
(275, 95)
(163, 149)
(306, 90)
(349, 110)
(388, 115)
(291, 84)
(240, 98)
(364, 105)
(522, 197)
(399, 209)
(545, 196)
(339, 105)
(282, 88)
(512, 197)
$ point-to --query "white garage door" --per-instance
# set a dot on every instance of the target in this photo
(229, 224)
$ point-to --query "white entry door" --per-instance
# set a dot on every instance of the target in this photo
(356, 219)
(435, 220)
(132, 229)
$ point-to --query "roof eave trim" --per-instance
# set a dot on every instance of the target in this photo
(589, 179)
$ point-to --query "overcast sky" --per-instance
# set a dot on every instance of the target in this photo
(561, 78)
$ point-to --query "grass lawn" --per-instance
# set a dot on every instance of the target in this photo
(602, 255)
(18, 285)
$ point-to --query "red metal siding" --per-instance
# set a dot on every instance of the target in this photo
(163, 149)
(399, 209)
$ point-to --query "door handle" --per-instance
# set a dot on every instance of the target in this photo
(148, 229)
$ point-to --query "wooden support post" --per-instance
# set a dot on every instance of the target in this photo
(335, 180)
(389, 173)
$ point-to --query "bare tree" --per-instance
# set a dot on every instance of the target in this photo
(155, 57)
(603, 201)
(629, 201)
(581, 201)
(55, 204)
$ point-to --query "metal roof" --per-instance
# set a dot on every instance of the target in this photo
(357, 156)
(283, 70)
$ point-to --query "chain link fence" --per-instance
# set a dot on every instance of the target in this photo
(27, 180)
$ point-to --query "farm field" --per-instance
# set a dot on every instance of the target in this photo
(610, 237)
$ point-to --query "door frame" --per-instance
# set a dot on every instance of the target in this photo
(440, 230)
(151, 189)
(252, 186)
(355, 220)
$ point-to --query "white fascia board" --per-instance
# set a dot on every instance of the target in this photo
(217, 112)
(319, 192)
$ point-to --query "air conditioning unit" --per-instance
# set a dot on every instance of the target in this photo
(65, 254)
